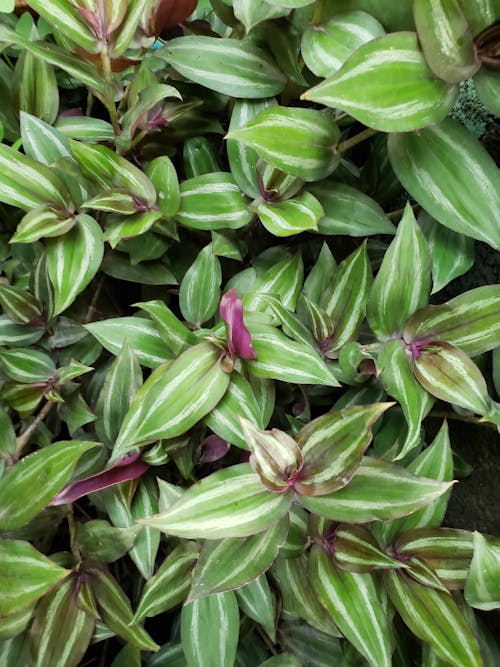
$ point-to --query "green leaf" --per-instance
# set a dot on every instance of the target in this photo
(298, 596)
(27, 365)
(291, 217)
(349, 211)
(65, 18)
(332, 447)
(163, 176)
(216, 571)
(325, 48)
(469, 321)
(19, 305)
(33, 481)
(357, 550)
(73, 260)
(345, 300)
(447, 373)
(397, 377)
(239, 505)
(311, 645)
(452, 254)
(38, 93)
(99, 540)
(85, 128)
(210, 630)
(135, 11)
(16, 334)
(8, 437)
(403, 282)
(145, 548)
(251, 13)
(283, 279)
(275, 353)
(43, 221)
(243, 159)
(238, 401)
(228, 66)
(435, 618)
(115, 610)
(446, 39)
(352, 601)
(173, 332)
(482, 589)
(486, 83)
(62, 630)
(379, 490)
(25, 575)
(170, 585)
(256, 601)
(199, 292)
(211, 202)
(387, 93)
(452, 176)
(290, 323)
(160, 409)
(298, 141)
(41, 141)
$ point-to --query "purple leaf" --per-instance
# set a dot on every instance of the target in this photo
(239, 341)
(214, 448)
(128, 468)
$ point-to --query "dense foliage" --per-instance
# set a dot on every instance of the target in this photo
(230, 330)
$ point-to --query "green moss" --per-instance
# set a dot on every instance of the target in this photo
(470, 111)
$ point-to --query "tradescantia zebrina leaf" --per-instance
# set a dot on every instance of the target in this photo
(387, 85)
(434, 617)
(298, 141)
(357, 550)
(22, 496)
(160, 409)
(332, 447)
(471, 321)
(215, 571)
(452, 176)
(299, 214)
(403, 282)
(229, 503)
(19, 305)
(225, 65)
(482, 589)
(199, 292)
(378, 490)
(352, 601)
(256, 600)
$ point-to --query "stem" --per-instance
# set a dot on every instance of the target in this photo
(396, 215)
(355, 140)
(92, 307)
(444, 414)
(318, 12)
(109, 100)
(71, 527)
(22, 440)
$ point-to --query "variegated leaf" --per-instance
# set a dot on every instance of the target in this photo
(482, 589)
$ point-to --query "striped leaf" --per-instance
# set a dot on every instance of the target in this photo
(41, 141)
(352, 601)
(85, 128)
(210, 630)
(486, 83)
(470, 321)
(19, 305)
(23, 398)
(357, 550)
(199, 157)
(291, 217)
(13, 626)
(98, 539)
(250, 13)
(27, 365)
(435, 618)
(141, 334)
(231, 563)
(284, 280)
(297, 141)
(446, 39)
(280, 358)
(13, 335)
(378, 491)
(37, 90)
(115, 610)
(44, 221)
(333, 446)
(170, 585)
(447, 373)
(452, 254)
(387, 85)
(62, 630)
(73, 260)
(320, 275)
(290, 323)
(135, 12)
(297, 538)
(160, 408)
(229, 503)
(452, 176)
(163, 176)
(228, 66)
(345, 301)
(146, 545)
(399, 382)
(25, 575)
(445, 551)
(238, 401)
(482, 589)
(21, 494)
(199, 291)
(67, 19)
(349, 211)
(290, 4)
(123, 380)
(325, 48)
(243, 159)
(256, 601)
(8, 440)
(403, 282)
(435, 462)
(211, 202)
(173, 332)
(298, 596)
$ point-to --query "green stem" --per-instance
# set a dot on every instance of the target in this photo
(355, 140)
(109, 99)
(318, 12)
(445, 414)
(22, 440)
(72, 533)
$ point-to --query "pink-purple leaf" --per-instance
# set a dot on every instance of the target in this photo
(239, 341)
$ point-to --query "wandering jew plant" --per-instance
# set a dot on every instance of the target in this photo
(241, 316)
